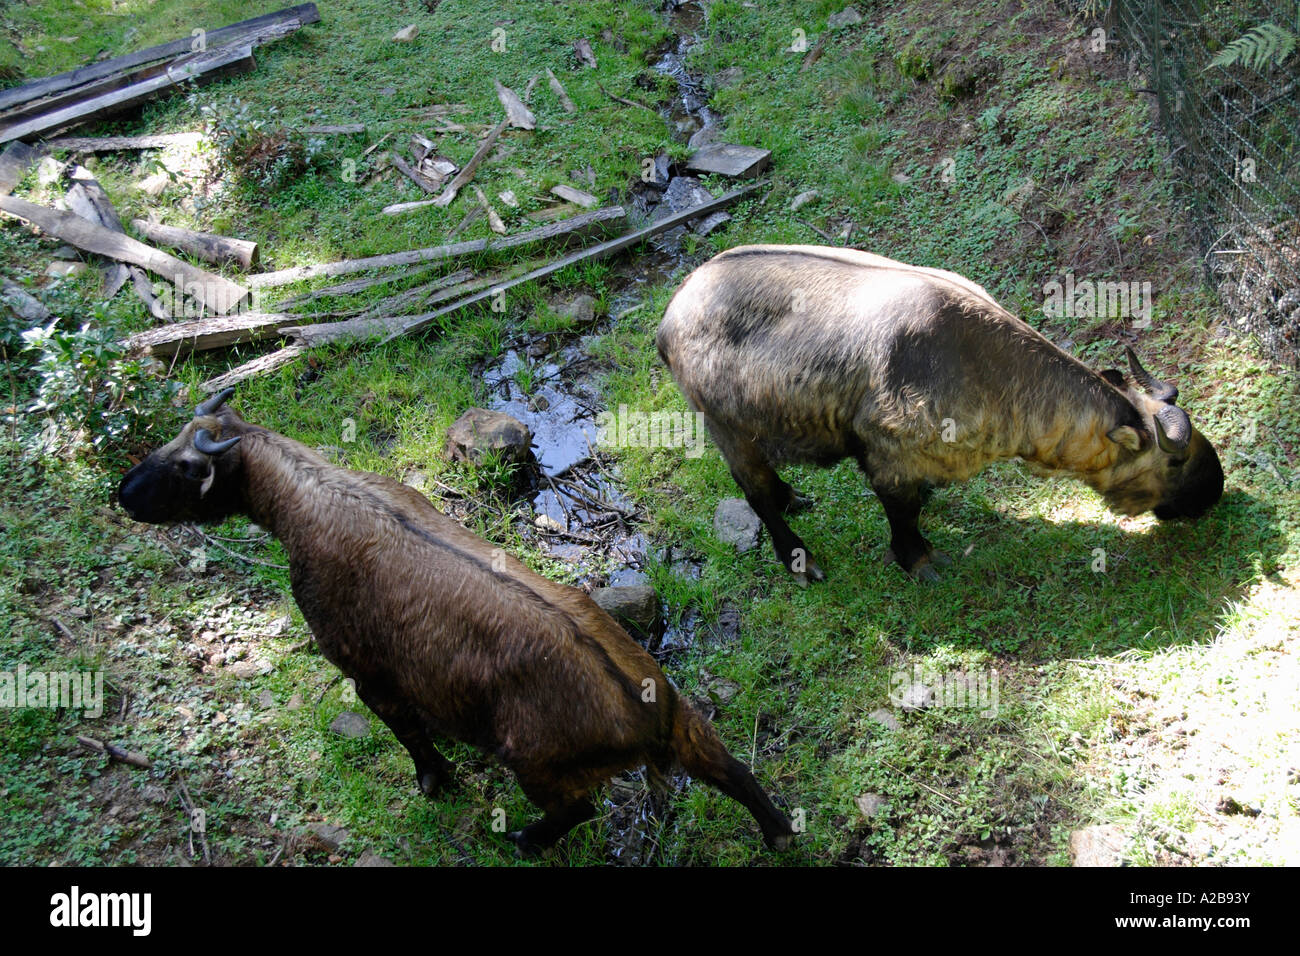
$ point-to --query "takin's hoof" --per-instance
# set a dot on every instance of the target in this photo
(810, 572)
(798, 503)
(429, 782)
(525, 846)
(940, 559)
(779, 842)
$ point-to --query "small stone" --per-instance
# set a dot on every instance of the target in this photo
(508, 197)
(581, 309)
(635, 606)
(845, 18)
(730, 159)
(244, 670)
(870, 804)
(1097, 846)
(803, 199)
(885, 717)
(901, 178)
(350, 724)
(63, 269)
(326, 836)
(704, 136)
(370, 858)
(721, 690)
(295, 702)
(711, 222)
(547, 523)
(480, 430)
(266, 700)
(406, 34)
(154, 184)
(735, 523)
(728, 77)
(915, 696)
(153, 793)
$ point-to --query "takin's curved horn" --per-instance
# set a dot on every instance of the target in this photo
(1160, 391)
(1173, 429)
(210, 405)
(203, 442)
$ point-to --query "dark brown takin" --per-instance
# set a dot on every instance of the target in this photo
(444, 634)
(816, 354)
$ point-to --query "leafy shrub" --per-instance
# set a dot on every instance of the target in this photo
(254, 146)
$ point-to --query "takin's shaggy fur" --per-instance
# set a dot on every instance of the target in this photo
(444, 634)
(813, 354)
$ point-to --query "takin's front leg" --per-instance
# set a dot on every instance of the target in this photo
(433, 771)
(770, 497)
(561, 816)
(914, 554)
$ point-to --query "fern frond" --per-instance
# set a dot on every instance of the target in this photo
(1267, 43)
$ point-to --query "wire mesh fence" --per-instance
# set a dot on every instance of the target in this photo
(1227, 77)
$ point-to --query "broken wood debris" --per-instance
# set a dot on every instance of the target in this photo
(560, 93)
(116, 752)
(87, 199)
(99, 89)
(466, 174)
(584, 199)
(111, 144)
(519, 115)
(14, 163)
(595, 219)
(213, 333)
(494, 220)
(624, 101)
(583, 50)
(215, 293)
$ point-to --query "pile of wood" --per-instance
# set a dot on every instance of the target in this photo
(91, 92)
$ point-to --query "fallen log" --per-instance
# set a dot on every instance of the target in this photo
(575, 224)
(116, 752)
(203, 67)
(302, 14)
(466, 174)
(204, 334)
(86, 198)
(219, 250)
(258, 366)
(560, 93)
(111, 144)
(358, 285)
(215, 293)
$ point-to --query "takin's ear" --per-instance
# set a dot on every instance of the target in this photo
(1115, 377)
(1127, 436)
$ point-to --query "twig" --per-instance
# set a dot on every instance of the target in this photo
(116, 752)
(625, 102)
(937, 793)
(825, 235)
(236, 554)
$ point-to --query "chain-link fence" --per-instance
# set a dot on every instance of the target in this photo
(1227, 75)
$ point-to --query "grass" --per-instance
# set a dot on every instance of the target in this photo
(1112, 640)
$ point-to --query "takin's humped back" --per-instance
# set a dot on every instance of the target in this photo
(815, 354)
(443, 633)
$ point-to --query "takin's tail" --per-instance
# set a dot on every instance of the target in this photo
(696, 744)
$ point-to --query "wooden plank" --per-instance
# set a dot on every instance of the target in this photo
(219, 250)
(588, 220)
(214, 333)
(110, 144)
(215, 293)
(302, 14)
(584, 199)
(14, 163)
(353, 286)
(202, 68)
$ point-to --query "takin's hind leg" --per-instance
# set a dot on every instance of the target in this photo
(561, 814)
(770, 497)
(913, 552)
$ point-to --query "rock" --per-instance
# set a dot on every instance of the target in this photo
(730, 159)
(705, 136)
(508, 197)
(370, 858)
(735, 523)
(326, 836)
(266, 700)
(635, 606)
(803, 199)
(350, 724)
(406, 34)
(721, 690)
(1097, 846)
(48, 171)
(153, 793)
(885, 717)
(845, 18)
(683, 192)
(871, 804)
(295, 702)
(547, 523)
(728, 77)
(154, 184)
(480, 430)
(915, 696)
(244, 670)
(64, 269)
(711, 222)
(581, 310)
(24, 305)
